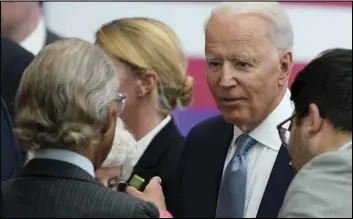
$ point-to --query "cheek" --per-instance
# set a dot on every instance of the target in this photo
(212, 80)
(128, 87)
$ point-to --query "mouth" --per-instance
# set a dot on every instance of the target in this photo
(232, 100)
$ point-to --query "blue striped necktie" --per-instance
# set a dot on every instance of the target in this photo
(232, 193)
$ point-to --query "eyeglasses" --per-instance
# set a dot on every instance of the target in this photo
(121, 99)
(284, 130)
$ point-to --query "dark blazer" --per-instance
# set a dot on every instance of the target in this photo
(10, 153)
(51, 37)
(14, 60)
(161, 158)
(201, 169)
(52, 188)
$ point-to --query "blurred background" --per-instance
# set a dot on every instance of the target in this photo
(317, 26)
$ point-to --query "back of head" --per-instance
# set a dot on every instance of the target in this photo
(327, 82)
(150, 45)
(280, 27)
(64, 96)
(123, 151)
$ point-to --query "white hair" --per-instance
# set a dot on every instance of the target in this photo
(280, 27)
(123, 151)
(64, 95)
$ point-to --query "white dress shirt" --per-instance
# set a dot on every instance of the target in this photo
(66, 156)
(36, 40)
(262, 156)
(346, 146)
(143, 143)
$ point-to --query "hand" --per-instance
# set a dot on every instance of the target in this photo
(153, 193)
(108, 175)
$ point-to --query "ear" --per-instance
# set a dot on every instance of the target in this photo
(146, 83)
(286, 63)
(315, 120)
(109, 126)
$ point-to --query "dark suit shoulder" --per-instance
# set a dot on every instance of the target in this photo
(209, 124)
(52, 37)
(14, 60)
(123, 205)
(38, 196)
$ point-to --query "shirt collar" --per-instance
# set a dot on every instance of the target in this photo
(35, 41)
(266, 133)
(143, 143)
(347, 145)
(65, 156)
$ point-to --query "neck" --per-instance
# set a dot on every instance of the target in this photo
(21, 31)
(143, 120)
(333, 141)
(247, 128)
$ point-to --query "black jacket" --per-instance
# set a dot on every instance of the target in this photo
(161, 158)
(201, 169)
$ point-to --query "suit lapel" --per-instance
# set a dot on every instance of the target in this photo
(148, 165)
(58, 169)
(278, 183)
(213, 143)
(219, 148)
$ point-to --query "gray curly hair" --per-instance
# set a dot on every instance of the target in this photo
(64, 95)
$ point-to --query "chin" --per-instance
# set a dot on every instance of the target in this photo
(235, 117)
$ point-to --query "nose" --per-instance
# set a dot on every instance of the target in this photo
(227, 78)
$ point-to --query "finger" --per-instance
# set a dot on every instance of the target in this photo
(156, 180)
(154, 184)
(134, 192)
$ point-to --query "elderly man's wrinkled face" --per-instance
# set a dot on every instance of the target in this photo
(118, 165)
(244, 71)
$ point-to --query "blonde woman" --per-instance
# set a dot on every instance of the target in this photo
(151, 65)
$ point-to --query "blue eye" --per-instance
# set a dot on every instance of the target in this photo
(241, 64)
(214, 64)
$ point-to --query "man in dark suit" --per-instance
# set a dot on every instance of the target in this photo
(23, 23)
(10, 154)
(14, 60)
(67, 108)
(234, 165)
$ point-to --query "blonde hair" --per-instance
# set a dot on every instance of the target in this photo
(64, 96)
(147, 44)
(280, 27)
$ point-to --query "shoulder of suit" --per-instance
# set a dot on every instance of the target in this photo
(11, 52)
(330, 160)
(52, 37)
(124, 204)
(326, 179)
(209, 125)
(328, 168)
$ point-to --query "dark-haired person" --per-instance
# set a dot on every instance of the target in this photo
(320, 142)
(23, 23)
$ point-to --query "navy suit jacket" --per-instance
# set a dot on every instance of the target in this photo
(14, 60)
(201, 168)
(10, 154)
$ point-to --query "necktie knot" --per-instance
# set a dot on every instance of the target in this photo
(243, 143)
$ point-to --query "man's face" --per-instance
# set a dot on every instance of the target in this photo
(244, 71)
(10, 15)
(118, 165)
(305, 137)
